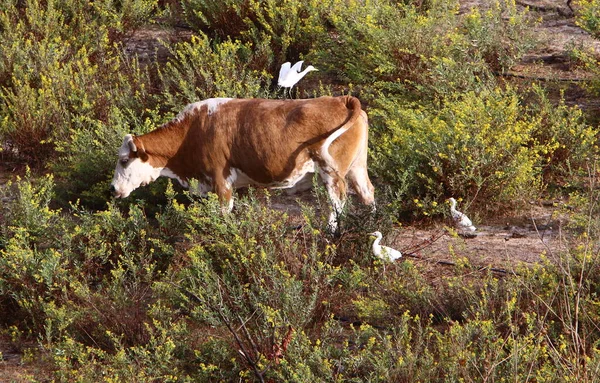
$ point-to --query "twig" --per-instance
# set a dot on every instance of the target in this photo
(245, 354)
(218, 310)
(538, 78)
(450, 263)
(423, 245)
(247, 334)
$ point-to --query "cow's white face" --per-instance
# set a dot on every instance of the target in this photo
(131, 171)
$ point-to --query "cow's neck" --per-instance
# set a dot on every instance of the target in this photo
(164, 143)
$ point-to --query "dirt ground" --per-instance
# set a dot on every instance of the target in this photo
(501, 243)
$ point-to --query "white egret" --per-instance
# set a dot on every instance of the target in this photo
(384, 252)
(290, 75)
(460, 219)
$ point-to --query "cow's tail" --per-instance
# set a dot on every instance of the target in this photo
(351, 103)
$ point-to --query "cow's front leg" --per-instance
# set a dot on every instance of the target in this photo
(224, 191)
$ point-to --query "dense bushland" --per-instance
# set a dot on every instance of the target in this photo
(69, 93)
(195, 295)
(163, 287)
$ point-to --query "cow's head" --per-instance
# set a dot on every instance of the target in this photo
(133, 168)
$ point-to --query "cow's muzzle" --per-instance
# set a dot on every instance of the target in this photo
(113, 191)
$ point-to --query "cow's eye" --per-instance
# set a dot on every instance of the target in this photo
(124, 161)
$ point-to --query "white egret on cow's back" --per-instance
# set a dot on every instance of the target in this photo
(290, 75)
(384, 252)
(461, 220)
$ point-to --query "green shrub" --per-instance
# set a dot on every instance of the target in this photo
(33, 269)
(68, 93)
(478, 145)
(287, 28)
(201, 69)
(499, 33)
(87, 157)
(115, 259)
(570, 140)
(31, 209)
(155, 359)
(116, 295)
(385, 45)
(124, 16)
(417, 52)
(587, 16)
(60, 73)
(248, 279)
(223, 18)
(484, 146)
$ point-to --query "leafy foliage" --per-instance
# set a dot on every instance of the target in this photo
(404, 49)
(477, 145)
(199, 70)
(288, 28)
(588, 16)
(60, 72)
(198, 295)
(167, 288)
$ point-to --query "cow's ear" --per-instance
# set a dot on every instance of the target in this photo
(141, 151)
(129, 141)
(142, 155)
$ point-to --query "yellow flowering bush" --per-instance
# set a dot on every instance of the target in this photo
(422, 51)
(59, 71)
(279, 30)
(189, 294)
(67, 92)
(201, 69)
(164, 287)
(483, 146)
(588, 16)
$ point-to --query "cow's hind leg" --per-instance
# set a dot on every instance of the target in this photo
(336, 188)
(361, 184)
(358, 176)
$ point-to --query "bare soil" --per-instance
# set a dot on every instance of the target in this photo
(501, 243)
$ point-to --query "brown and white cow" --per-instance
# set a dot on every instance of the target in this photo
(227, 143)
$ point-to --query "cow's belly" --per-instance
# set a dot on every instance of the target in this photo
(297, 179)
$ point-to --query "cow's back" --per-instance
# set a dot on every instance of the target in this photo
(269, 138)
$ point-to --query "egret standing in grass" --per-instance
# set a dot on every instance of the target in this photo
(290, 75)
(384, 252)
(461, 220)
